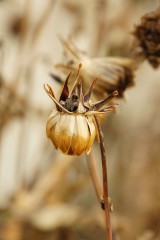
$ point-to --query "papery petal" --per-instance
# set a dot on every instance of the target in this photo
(81, 135)
(92, 130)
(53, 136)
(54, 117)
(64, 132)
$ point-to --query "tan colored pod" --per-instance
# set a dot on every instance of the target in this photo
(72, 134)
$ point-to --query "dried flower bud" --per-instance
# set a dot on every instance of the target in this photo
(112, 73)
(147, 38)
(71, 126)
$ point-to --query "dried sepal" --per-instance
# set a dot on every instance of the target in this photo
(98, 105)
(147, 38)
(87, 96)
(71, 126)
(58, 105)
(65, 91)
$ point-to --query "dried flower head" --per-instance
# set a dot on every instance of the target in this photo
(147, 38)
(71, 126)
(112, 73)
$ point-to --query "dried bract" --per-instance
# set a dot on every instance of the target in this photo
(112, 73)
(147, 38)
(71, 126)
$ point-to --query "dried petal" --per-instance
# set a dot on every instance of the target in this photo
(54, 117)
(64, 131)
(81, 136)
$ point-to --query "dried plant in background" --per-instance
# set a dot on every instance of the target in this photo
(147, 38)
(112, 73)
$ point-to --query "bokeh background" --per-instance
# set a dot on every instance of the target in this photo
(43, 193)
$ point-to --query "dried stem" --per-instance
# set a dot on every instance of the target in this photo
(101, 24)
(105, 181)
(45, 16)
(94, 175)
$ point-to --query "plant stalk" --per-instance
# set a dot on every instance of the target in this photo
(94, 175)
(105, 181)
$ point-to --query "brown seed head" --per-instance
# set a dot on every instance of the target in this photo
(147, 38)
(71, 126)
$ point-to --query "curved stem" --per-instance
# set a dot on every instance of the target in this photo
(105, 181)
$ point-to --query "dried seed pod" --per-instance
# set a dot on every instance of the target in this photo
(147, 38)
(71, 126)
(73, 134)
(113, 73)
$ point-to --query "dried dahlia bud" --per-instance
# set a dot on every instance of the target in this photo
(71, 126)
(113, 73)
(147, 38)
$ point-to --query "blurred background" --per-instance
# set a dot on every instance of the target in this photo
(43, 193)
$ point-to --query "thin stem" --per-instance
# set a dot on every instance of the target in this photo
(94, 175)
(105, 181)
(42, 21)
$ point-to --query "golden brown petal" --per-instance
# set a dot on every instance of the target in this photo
(64, 131)
(53, 137)
(54, 117)
(80, 136)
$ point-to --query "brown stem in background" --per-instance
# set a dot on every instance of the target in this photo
(94, 175)
(105, 181)
(40, 25)
(101, 25)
